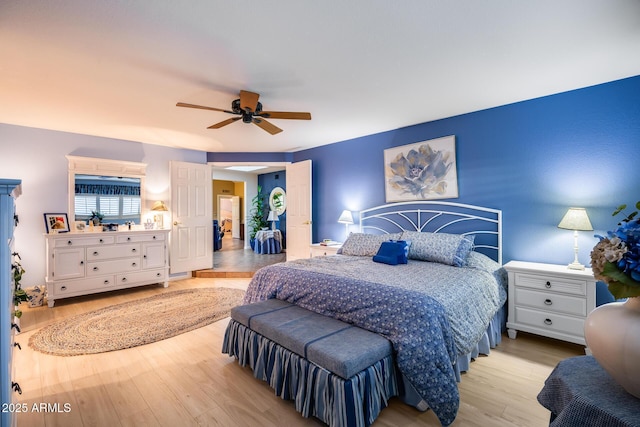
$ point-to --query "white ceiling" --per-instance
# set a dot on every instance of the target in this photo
(117, 68)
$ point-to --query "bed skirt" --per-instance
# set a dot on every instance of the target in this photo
(491, 338)
(315, 391)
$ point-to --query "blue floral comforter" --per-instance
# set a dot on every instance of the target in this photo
(430, 312)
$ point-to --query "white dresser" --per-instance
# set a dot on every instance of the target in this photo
(9, 190)
(549, 300)
(91, 262)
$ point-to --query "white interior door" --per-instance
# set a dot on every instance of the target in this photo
(191, 246)
(299, 210)
(235, 215)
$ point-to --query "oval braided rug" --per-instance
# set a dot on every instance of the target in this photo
(136, 322)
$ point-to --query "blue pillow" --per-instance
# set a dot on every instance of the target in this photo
(393, 252)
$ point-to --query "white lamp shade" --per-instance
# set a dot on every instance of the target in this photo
(346, 217)
(272, 216)
(576, 219)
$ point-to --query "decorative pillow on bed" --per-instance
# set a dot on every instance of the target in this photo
(361, 244)
(393, 252)
(450, 249)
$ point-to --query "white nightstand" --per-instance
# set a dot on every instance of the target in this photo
(549, 300)
(318, 249)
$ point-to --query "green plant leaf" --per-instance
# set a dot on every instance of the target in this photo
(619, 209)
(620, 285)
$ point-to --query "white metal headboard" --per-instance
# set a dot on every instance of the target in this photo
(433, 216)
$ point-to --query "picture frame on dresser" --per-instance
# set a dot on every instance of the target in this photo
(56, 222)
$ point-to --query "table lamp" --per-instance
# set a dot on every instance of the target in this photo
(346, 218)
(576, 219)
(159, 207)
(273, 217)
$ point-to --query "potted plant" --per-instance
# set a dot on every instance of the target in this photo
(257, 219)
(96, 217)
(611, 330)
(19, 294)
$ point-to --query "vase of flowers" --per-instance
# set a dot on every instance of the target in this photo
(612, 331)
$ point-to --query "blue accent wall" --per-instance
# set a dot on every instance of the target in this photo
(533, 160)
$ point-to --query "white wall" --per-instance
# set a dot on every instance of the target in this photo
(37, 157)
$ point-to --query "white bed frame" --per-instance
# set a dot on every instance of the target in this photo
(433, 216)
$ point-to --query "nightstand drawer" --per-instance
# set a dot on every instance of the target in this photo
(550, 321)
(551, 302)
(552, 283)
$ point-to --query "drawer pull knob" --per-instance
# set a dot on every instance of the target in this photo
(154, 237)
(158, 274)
(547, 285)
(81, 262)
(95, 268)
(548, 322)
(63, 288)
(133, 264)
(69, 242)
(144, 256)
(106, 282)
(101, 241)
(124, 279)
(547, 302)
(128, 239)
(133, 250)
(95, 253)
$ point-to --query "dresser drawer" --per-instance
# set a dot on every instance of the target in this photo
(114, 266)
(96, 253)
(89, 284)
(126, 238)
(551, 283)
(84, 241)
(551, 301)
(141, 276)
(550, 321)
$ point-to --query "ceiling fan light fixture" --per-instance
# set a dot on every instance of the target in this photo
(250, 111)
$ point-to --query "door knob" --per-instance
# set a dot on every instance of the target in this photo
(176, 222)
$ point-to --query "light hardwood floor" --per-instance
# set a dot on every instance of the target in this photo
(187, 381)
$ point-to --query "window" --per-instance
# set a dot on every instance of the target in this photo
(114, 208)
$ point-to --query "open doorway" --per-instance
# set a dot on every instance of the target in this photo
(236, 255)
(229, 216)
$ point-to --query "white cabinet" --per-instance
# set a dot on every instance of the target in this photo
(549, 300)
(318, 249)
(9, 190)
(90, 262)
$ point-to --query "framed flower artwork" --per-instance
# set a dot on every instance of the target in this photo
(421, 171)
(56, 222)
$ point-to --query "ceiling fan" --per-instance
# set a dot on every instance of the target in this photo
(249, 110)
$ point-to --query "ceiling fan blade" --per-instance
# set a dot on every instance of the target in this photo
(248, 100)
(224, 123)
(269, 127)
(182, 104)
(285, 115)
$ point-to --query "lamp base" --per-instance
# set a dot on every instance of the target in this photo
(575, 266)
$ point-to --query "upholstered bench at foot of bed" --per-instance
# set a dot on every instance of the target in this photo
(332, 370)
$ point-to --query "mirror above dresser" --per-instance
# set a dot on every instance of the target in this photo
(115, 188)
